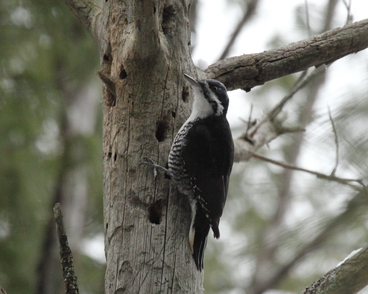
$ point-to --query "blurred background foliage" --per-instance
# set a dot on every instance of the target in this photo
(281, 229)
(47, 76)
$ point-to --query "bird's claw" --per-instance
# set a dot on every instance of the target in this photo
(148, 161)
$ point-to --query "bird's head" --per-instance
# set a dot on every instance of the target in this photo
(210, 98)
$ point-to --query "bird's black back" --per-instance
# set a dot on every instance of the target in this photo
(208, 158)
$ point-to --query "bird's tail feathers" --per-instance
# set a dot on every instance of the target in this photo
(198, 236)
(215, 228)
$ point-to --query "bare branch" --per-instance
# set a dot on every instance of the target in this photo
(349, 17)
(249, 145)
(88, 12)
(261, 134)
(270, 126)
(251, 8)
(307, 18)
(331, 177)
(247, 71)
(250, 123)
(330, 12)
(336, 143)
(66, 256)
(350, 277)
(299, 84)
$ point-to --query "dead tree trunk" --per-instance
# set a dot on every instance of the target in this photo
(146, 102)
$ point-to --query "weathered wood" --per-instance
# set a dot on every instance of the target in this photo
(146, 221)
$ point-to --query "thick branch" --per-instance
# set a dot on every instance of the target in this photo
(87, 12)
(350, 277)
(246, 71)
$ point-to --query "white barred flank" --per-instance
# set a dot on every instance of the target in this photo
(176, 164)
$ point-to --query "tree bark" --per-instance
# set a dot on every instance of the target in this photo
(250, 70)
(146, 221)
(348, 278)
(144, 49)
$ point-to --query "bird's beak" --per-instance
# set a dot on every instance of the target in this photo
(194, 82)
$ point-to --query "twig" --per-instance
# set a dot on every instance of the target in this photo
(349, 17)
(270, 126)
(307, 18)
(249, 122)
(331, 177)
(299, 84)
(336, 143)
(66, 256)
(251, 7)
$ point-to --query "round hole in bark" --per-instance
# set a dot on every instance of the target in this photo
(185, 94)
(161, 130)
(168, 19)
(155, 212)
(123, 74)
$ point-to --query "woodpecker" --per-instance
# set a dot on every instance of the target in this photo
(201, 159)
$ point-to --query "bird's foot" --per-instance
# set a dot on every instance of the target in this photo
(148, 161)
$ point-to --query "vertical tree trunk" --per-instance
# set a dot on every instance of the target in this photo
(145, 54)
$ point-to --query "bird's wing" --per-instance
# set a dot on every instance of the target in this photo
(208, 157)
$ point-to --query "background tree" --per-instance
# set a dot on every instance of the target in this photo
(49, 115)
(134, 78)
